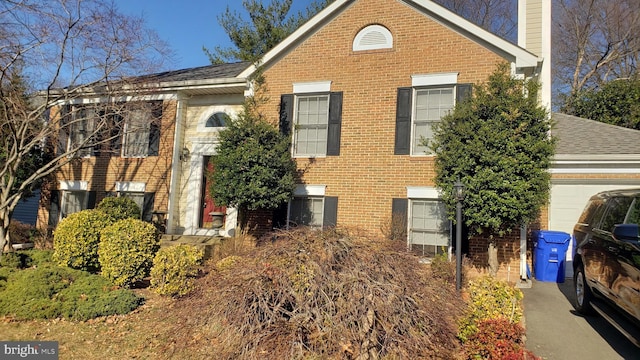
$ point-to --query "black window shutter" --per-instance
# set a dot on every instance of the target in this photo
(335, 123)
(154, 130)
(399, 212)
(286, 114)
(330, 218)
(54, 207)
(147, 207)
(91, 200)
(403, 122)
(463, 92)
(279, 216)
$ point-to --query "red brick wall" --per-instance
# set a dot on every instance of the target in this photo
(367, 175)
(104, 170)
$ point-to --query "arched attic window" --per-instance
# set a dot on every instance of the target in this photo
(218, 119)
(373, 37)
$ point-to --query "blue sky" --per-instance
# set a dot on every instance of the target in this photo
(188, 25)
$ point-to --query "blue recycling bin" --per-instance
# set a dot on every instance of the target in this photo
(550, 251)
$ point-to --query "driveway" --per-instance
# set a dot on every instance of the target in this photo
(555, 331)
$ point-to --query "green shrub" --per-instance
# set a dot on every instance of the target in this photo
(489, 299)
(37, 257)
(50, 292)
(14, 260)
(126, 251)
(119, 208)
(76, 239)
(174, 269)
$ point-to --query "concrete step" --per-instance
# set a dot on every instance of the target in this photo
(208, 244)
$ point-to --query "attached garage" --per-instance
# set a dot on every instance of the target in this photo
(570, 196)
(590, 157)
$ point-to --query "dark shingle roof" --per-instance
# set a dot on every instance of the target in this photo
(579, 136)
(220, 71)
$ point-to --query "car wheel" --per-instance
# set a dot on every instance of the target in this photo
(582, 291)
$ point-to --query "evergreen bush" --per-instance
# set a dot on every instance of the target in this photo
(126, 251)
(119, 208)
(51, 292)
(174, 268)
(76, 238)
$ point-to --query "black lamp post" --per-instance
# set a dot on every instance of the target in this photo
(458, 191)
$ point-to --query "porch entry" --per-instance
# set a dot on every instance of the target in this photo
(211, 215)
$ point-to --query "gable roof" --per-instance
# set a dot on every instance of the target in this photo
(585, 139)
(209, 72)
(520, 56)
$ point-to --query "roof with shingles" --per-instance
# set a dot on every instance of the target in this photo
(579, 136)
(219, 71)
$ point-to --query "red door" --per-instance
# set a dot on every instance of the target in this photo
(211, 216)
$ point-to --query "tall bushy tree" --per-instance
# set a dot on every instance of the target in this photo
(253, 166)
(266, 27)
(498, 144)
(616, 102)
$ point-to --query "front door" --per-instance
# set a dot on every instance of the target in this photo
(210, 214)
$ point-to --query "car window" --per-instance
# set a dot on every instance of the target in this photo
(633, 215)
(616, 212)
(591, 212)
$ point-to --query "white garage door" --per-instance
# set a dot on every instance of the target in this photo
(567, 202)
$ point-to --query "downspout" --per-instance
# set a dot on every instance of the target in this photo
(176, 166)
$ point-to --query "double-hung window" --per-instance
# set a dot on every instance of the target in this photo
(137, 129)
(311, 207)
(423, 105)
(307, 211)
(141, 130)
(311, 128)
(431, 104)
(312, 115)
(72, 202)
(81, 130)
(429, 227)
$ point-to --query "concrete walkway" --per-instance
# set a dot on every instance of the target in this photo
(555, 331)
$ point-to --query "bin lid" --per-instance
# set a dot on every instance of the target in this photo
(551, 236)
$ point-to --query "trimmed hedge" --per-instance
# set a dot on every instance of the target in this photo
(119, 208)
(76, 239)
(126, 251)
(174, 269)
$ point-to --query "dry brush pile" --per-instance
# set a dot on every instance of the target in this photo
(312, 294)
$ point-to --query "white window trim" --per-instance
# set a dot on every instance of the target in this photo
(423, 192)
(74, 185)
(202, 121)
(420, 82)
(357, 41)
(312, 87)
(130, 186)
(295, 134)
(309, 190)
(434, 79)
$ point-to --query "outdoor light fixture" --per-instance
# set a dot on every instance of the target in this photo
(184, 154)
(458, 191)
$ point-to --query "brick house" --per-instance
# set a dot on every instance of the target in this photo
(356, 88)
(168, 134)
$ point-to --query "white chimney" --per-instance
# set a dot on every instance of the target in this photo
(534, 34)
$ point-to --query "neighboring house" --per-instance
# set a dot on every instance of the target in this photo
(360, 84)
(160, 158)
(590, 157)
